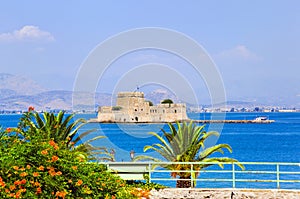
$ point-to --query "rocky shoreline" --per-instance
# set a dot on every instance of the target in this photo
(189, 193)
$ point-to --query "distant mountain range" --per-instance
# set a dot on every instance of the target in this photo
(158, 95)
(18, 93)
(18, 85)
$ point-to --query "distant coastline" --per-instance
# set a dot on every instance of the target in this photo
(203, 111)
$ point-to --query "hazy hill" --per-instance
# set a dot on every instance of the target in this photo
(51, 100)
(19, 85)
(18, 93)
(158, 95)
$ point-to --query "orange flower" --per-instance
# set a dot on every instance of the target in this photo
(61, 194)
(2, 184)
(18, 194)
(22, 169)
(54, 158)
(52, 172)
(23, 174)
(79, 182)
(37, 184)
(44, 152)
(23, 181)
(30, 108)
(41, 168)
(38, 190)
(58, 173)
(35, 174)
(74, 167)
(52, 143)
(8, 130)
(28, 166)
(22, 190)
(18, 182)
(15, 168)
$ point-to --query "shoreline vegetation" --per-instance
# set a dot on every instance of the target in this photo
(43, 158)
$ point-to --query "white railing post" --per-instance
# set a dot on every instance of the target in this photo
(233, 175)
(192, 176)
(277, 176)
(149, 169)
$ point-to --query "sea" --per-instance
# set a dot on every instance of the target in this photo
(277, 142)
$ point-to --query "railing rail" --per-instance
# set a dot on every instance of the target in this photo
(255, 172)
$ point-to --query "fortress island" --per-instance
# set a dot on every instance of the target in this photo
(131, 107)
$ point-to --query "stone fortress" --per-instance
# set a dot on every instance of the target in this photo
(131, 107)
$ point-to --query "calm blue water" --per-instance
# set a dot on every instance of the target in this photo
(275, 142)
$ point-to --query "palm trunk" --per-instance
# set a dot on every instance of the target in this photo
(184, 182)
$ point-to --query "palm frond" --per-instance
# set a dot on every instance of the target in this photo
(211, 150)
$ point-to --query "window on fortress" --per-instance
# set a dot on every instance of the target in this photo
(135, 109)
(141, 109)
(175, 111)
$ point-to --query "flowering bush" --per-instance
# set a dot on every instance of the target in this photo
(45, 169)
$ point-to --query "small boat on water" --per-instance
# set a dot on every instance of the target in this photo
(261, 118)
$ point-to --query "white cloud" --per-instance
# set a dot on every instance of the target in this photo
(27, 33)
(239, 52)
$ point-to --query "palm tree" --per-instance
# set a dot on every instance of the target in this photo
(185, 143)
(60, 128)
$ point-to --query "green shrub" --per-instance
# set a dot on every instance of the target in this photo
(167, 101)
(116, 108)
(46, 169)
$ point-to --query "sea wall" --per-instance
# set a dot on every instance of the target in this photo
(225, 193)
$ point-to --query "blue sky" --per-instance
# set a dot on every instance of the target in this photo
(255, 44)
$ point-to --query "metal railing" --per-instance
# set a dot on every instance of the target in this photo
(254, 172)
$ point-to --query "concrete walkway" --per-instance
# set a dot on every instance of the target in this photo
(189, 193)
